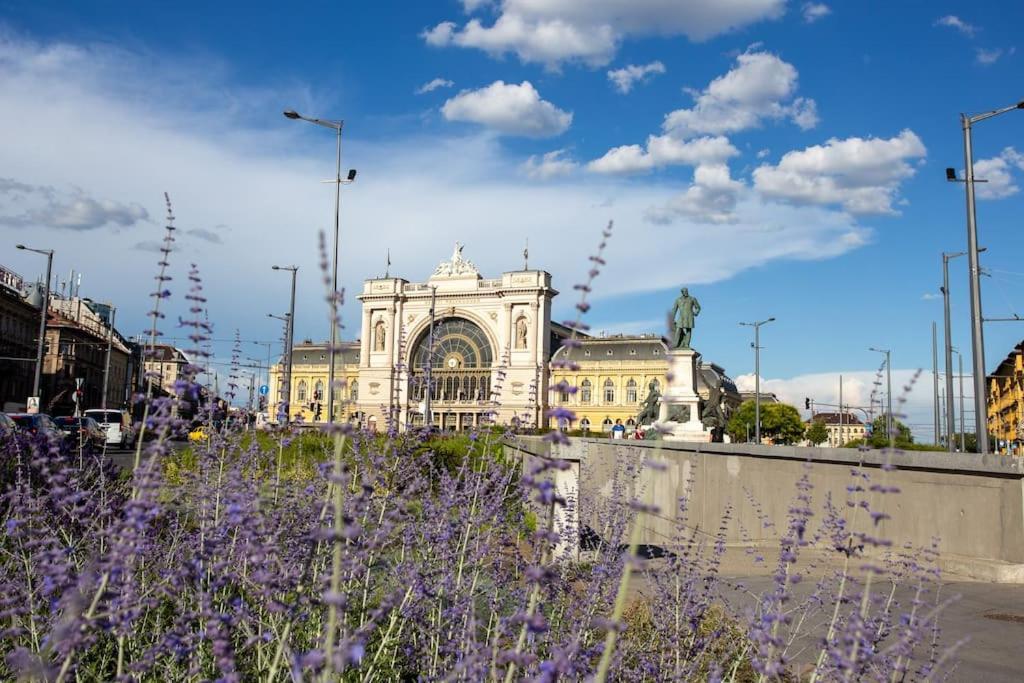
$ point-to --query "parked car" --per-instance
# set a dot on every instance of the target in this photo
(7, 425)
(82, 430)
(34, 423)
(200, 434)
(116, 423)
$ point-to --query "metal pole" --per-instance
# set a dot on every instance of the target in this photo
(290, 335)
(106, 365)
(334, 284)
(935, 377)
(757, 383)
(974, 280)
(44, 308)
(960, 362)
(950, 417)
(839, 441)
(888, 394)
(428, 417)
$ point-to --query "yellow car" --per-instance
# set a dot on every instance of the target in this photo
(199, 435)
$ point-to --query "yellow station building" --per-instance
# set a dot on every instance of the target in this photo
(1006, 403)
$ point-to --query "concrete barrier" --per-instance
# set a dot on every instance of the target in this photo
(973, 505)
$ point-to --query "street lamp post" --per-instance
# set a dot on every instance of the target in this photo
(888, 390)
(284, 394)
(289, 339)
(336, 126)
(974, 280)
(43, 309)
(757, 375)
(106, 363)
(950, 418)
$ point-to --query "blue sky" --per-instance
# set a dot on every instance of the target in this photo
(789, 158)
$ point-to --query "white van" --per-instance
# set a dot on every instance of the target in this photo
(116, 423)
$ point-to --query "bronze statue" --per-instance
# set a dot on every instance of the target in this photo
(649, 408)
(684, 310)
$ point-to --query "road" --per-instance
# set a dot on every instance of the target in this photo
(124, 458)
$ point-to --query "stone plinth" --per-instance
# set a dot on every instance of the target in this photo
(679, 414)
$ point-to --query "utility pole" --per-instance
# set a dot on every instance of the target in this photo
(974, 279)
(950, 417)
(839, 441)
(289, 340)
(106, 364)
(888, 390)
(960, 362)
(428, 416)
(43, 310)
(757, 375)
(935, 377)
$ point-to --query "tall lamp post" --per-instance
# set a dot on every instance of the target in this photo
(42, 315)
(284, 395)
(946, 258)
(888, 390)
(106, 362)
(974, 279)
(757, 375)
(338, 181)
(289, 337)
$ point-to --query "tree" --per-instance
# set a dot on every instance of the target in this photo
(817, 432)
(880, 439)
(779, 422)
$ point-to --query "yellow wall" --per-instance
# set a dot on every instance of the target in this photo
(598, 371)
(310, 374)
(1006, 402)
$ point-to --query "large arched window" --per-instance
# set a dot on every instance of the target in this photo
(631, 391)
(300, 395)
(458, 344)
(585, 424)
(609, 391)
(586, 392)
(318, 390)
(606, 425)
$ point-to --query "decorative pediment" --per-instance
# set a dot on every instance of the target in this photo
(457, 266)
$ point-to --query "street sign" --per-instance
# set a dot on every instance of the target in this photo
(264, 390)
(33, 405)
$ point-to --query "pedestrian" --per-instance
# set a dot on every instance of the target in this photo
(619, 430)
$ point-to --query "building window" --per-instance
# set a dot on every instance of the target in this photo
(656, 352)
(586, 352)
(355, 390)
(301, 393)
(632, 352)
(318, 391)
(563, 396)
(609, 352)
(322, 356)
(606, 425)
(585, 425)
(631, 391)
(585, 391)
(609, 391)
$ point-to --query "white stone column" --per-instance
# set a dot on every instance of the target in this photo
(364, 339)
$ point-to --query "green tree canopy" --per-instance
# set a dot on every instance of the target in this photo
(779, 422)
(817, 432)
(880, 439)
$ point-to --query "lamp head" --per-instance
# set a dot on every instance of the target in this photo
(1020, 105)
(770, 320)
(292, 114)
(951, 174)
(351, 174)
(275, 267)
(20, 246)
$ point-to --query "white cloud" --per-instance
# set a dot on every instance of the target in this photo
(38, 206)
(549, 165)
(223, 164)
(510, 109)
(862, 175)
(930, 296)
(997, 172)
(433, 85)
(760, 86)
(710, 199)
(913, 407)
(624, 78)
(813, 11)
(551, 32)
(664, 150)
(955, 22)
(987, 57)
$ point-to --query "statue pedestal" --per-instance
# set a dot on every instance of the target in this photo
(679, 414)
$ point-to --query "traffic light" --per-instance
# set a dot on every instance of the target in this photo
(807, 403)
(318, 413)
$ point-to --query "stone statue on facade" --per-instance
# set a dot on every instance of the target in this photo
(685, 309)
(649, 408)
(458, 265)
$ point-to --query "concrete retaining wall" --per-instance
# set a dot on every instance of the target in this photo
(973, 505)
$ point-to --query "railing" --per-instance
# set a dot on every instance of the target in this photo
(452, 387)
